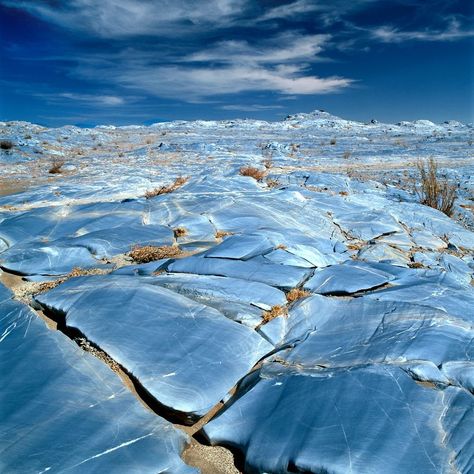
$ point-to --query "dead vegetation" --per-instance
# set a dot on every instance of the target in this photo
(179, 232)
(273, 183)
(222, 233)
(56, 166)
(268, 163)
(169, 188)
(75, 272)
(296, 294)
(84, 344)
(6, 144)
(150, 253)
(274, 312)
(253, 172)
(433, 190)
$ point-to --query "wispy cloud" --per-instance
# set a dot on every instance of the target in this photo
(286, 47)
(279, 64)
(107, 100)
(290, 10)
(452, 32)
(250, 107)
(125, 18)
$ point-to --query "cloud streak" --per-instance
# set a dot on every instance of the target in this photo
(281, 64)
(452, 32)
(127, 18)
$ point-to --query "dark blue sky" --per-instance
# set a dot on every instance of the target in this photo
(88, 62)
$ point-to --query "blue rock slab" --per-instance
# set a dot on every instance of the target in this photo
(365, 420)
(63, 410)
(185, 354)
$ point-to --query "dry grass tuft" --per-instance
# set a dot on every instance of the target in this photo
(274, 312)
(75, 272)
(56, 166)
(281, 247)
(254, 173)
(296, 294)
(222, 233)
(416, 265)
(273, 183)
(178, 182)
(333, 141)
(149, 253)
(268, 163)
(179, 232)
(6, 144)
(434, 191)
(355, 245)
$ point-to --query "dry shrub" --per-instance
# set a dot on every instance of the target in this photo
(416, 265)
(178, 182)
(273, 183)
(296, 294)
(222, 233)
(75, 272)
(434, 191)
(281, 247)
(6, 144)
(333, 141)
(254, 173)
(355, 245)
(149, 253)
(56, 166)
(179, 232)
(274, 312)
(268, 163)
(347, 154)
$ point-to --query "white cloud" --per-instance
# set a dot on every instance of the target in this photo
(452, 32)
(279, 64)
(198, 83)
(123, 18)
(251, 107)
(290, 10)
(108, 100)
(89, 99)
(289, 46)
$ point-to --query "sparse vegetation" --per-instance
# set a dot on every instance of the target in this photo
(169, 188)
(347, 154)
(274, 312)
(56, 166)
(149, 253)
(433, 190)
(254, 173)
(75, 272)
(6, 144)
(272, 183)
(333, 141)
(268, 163)
(222, 233)
(179, 232)
(296, 294)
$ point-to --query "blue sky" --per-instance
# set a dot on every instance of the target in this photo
(89, 62)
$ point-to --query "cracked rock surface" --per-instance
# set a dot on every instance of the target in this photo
(319, 320)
